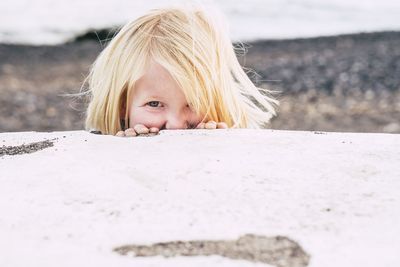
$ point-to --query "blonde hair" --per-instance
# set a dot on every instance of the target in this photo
(196, 51)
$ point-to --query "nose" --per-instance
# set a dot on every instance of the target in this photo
(175, 122)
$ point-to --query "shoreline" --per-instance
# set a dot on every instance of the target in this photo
(344, 83)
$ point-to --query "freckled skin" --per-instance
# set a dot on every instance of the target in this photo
(158, 103)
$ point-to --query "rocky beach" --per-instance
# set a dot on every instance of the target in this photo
(347, 83)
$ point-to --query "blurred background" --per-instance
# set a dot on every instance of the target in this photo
(336, 63)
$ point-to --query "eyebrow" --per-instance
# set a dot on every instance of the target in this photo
(152, 91)
(155, 96)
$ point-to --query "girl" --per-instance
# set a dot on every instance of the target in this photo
(173, 68)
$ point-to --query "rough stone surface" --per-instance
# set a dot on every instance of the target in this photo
(335, 195)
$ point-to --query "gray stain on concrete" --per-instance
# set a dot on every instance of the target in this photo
(279, 251)
(25, 148)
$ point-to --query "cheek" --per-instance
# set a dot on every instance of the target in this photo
(141, 116)
(195, 119)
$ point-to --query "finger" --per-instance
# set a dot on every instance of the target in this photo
(154, 130)
(211, 125)
(130, 132)
(120, 134)
(222, 125)
(201, 125)
(141, 129)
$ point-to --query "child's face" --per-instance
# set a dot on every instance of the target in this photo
(158, 101)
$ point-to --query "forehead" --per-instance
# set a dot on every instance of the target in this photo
(156, 80)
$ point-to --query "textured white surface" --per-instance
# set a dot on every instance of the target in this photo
(336, 194)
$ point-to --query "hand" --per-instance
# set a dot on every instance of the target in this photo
(138, 129)
(141, 129)
(212, 125)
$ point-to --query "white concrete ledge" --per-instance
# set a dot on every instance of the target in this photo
(336, 195)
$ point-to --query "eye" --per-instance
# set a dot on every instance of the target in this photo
(154, 104)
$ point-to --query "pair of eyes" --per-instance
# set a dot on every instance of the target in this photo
(158, 104)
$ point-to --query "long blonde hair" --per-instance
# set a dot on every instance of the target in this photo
(196, 50)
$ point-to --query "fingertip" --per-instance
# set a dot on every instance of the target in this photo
(120, 134)
(141, 129)
(222, 125)
(130, 132)
(200, 125)
(211, 125)
(154, 130)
